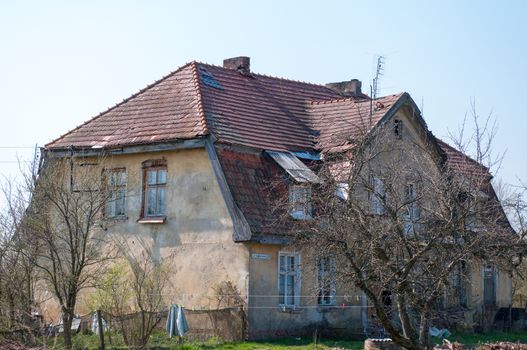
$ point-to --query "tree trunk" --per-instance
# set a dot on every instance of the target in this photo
(67, 320)
(424, 339)
(408, 330)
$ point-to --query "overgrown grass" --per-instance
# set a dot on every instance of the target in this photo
(160, 340)
(471, 340)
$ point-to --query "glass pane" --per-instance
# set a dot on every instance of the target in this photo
(110, 207)
(151, 201)
(162, 176)
(291, 263)
(281, 289)
(161, 200)
(119, 202)
(111, 179)
(151, 177)
(121, 178)
(282, 263)
(290, 287)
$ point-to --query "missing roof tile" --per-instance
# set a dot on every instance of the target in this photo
(208, 79)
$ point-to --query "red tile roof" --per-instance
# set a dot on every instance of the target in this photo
(252, 110)
(341, 120)
(258, 111)
(167, 110)
(250, 177)
(460, 163)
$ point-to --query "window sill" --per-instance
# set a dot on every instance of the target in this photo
(152, 220)
(119, 218)
(327, 308)
(290, 309)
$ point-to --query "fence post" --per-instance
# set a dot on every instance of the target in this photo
(100, 330)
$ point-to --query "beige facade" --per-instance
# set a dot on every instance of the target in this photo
(268, 318)
(196, 237)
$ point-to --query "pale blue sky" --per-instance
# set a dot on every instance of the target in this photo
(62, 62)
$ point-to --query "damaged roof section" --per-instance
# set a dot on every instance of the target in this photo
(294, 167)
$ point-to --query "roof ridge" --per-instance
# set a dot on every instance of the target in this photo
(197, 85)
(271, 76)
(331, 100)
(122, 102)
(351, 98)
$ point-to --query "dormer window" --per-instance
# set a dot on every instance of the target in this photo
(398, 128)
(342, 191)
(300, 207)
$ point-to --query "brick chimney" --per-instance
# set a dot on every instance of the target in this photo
(347, 88)
(241, 64)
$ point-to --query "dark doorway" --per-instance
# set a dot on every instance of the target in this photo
(489, 285)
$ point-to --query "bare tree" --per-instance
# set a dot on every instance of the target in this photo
(17, 272)
(515, 204)
(17, 257)
(131, 291)
(405, 216)
(65, 221)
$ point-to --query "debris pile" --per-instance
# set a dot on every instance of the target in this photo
(6, 344)
(502, 346)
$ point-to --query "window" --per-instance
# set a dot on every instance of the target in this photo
(116, 187)
(468, 203)
(342, 191)
(326, 281)
(377, 195)
(411, 214)
(398, 128)
(155, 187)
(289, 279)
(300, 207)
(457, 292)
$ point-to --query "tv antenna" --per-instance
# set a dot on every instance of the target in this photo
(378, 74)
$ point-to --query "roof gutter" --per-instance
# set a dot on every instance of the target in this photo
(132, 149)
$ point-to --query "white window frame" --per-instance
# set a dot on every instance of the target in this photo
(412, 210)
(343, 190)
(116, 187)
(376, 195)
(300, 206)
(285, 300)
(326, 283)
(157, 187)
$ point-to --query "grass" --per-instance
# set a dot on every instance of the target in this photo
(160, 340)
(471, 340)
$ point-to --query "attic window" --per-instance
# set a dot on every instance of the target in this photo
(300, 207)
(208, 79)
(342, 191)
(398, 128)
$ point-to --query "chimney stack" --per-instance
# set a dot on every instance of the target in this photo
(242, 64)
(347, 88)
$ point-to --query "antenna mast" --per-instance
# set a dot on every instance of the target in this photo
(378, 74)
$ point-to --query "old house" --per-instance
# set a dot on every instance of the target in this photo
(193, 153)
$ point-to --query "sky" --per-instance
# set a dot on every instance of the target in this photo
(63, 62)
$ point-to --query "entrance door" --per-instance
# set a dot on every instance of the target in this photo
(489, 285)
